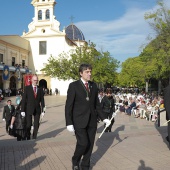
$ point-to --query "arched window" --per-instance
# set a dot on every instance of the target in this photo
(39, 15)
(47, 14)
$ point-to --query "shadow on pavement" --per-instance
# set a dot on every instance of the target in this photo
(23, 154)
(19, 155)
(104, 143)
(55, 106)
(163, 133)
(143, 167)
(163, 130)
(42, 122)
(51, 134)
(33, 163)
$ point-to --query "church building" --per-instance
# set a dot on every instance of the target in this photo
(29, 53)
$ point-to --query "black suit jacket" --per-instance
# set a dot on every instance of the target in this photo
(80, 112)
(167, 101)
(30, 104)
(108, 105)
(7, 113)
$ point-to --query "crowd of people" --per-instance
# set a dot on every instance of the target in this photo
(139, 105)
(9, 92)
(142, 106)
(29, 107)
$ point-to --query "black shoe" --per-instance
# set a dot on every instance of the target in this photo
(18, 139)
(28, 138)
(34, 137)
(85, 168)
(167, 138)
(76, 167)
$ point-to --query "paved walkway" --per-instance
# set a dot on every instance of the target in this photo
(134, 144)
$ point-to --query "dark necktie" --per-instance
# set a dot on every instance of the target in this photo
(87, 86)
(35, 91)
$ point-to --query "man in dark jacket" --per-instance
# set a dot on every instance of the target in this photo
(32, 105)
(108, 107)
(80, 112)
(7, 114)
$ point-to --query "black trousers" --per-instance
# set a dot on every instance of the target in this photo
(85, 141)
(8, 122)
(169, 132)
(109, 116)
(35, 124)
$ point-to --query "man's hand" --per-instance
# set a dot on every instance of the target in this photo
(11, 126)
(70, 128)
(107, 122)
(3, 120)
(42, 114)
(114, 114)
(23, 114)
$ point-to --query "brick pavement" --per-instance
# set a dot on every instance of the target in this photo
(134, 144)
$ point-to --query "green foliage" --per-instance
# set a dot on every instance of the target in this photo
(67, 64)
(133, 73)
(159, 19)
(154, 61)
(105, 68)
(158, 51)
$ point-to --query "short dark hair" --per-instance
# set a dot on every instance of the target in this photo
(8, 101)
(109, 91)
(101, 91)
(84, 67)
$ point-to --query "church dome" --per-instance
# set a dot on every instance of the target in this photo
(74, 33)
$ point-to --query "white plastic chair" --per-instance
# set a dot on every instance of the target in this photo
(142, 113)
(133, 111)
(154, 112)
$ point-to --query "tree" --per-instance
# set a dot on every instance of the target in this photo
(67, 64)
(160, 22)
(105, 68)
(154, 61)
(133, 72)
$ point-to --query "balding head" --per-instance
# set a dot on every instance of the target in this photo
(34, 80)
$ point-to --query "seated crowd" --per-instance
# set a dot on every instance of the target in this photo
(142, 106)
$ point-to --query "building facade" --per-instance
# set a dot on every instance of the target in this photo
(33, 48)
(14, 58)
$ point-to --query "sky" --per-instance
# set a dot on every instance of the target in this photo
(116, 26)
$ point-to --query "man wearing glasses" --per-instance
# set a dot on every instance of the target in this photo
(32, 105)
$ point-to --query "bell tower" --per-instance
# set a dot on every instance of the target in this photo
(44, 19)
(43, 10)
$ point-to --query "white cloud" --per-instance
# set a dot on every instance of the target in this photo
(121, 37)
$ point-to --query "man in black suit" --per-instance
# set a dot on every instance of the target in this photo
(32, 105)
(81, 109)
(7, 114)
(167, 108)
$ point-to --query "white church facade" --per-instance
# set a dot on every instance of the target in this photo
(32, 50)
